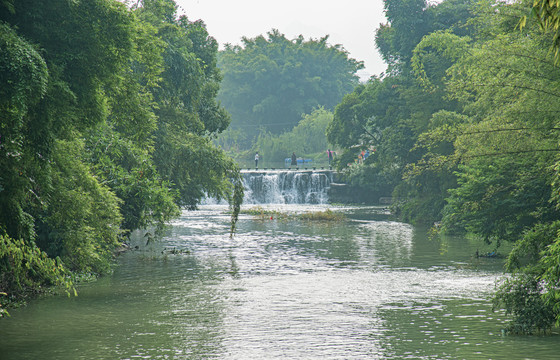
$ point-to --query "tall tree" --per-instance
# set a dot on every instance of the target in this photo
(188, 113)
(505, 146)
(389, 114)
(53, 90)
(106, 118)
(410, 20)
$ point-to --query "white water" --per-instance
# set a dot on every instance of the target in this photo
(286, 187)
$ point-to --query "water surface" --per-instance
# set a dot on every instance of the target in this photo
(365, 288)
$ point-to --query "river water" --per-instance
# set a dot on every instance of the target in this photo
(365, 288)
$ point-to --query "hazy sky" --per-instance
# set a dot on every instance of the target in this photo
(351, 23)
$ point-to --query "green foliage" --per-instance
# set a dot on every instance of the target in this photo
(23, 83)
(265, 214)
(497, 199)
(435, 54)
(3, 312)
(24, 268)
(130, 173)
(105, 26)
(369, 179)
(409, 23)
(389, 116)
(468, 117)
(537, 257)
(521, 297)
(505, 141)
(271, 81)
(504, 182)
(107, 113)
(392, 114)
(236, 201)
(356, 117)
(306, 139)
(550, 262)
(82, 221)
(23, 73)
(411, 20)
(528, 253)
(422, 200)
(187, 112)
(546, 13)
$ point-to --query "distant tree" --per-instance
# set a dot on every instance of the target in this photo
(269, 82)
(307, 139)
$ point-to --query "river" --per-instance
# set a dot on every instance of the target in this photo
(368, 287)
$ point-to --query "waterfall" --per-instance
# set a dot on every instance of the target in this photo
(287, 187)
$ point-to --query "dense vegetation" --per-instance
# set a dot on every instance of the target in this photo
(465, 128)
(107, 112)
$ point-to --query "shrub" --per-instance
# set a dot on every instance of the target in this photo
(521, 297)
(25, 269)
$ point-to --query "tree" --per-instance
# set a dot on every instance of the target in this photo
(546, 12)
(269, 82)
(390, 114)
(188, 113)
(471, 122)
(106, 118)
(352, 114)
(24, 78)
(410, 20)
(505, 146)
(52, 91)
(71, 101)
(307, 138)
